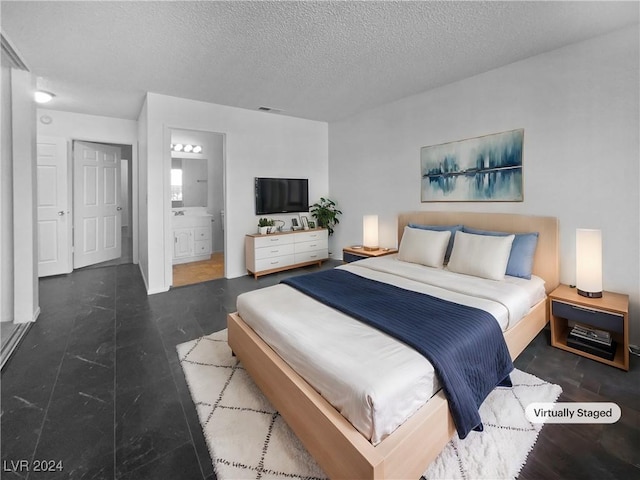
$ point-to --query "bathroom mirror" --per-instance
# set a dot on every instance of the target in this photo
(189, 182)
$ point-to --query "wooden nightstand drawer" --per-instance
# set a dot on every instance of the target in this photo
(350, 257)
(596, 318)
(353, 254)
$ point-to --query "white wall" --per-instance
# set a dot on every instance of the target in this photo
(215, 201)
(6, 198)
(257, 144)
(24, 163)
(579, 107)
(92, 128)
(142, 195)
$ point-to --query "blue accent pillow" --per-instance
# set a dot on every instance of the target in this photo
(522, 251)
(441, 228)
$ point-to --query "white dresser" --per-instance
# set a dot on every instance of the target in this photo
(276, 252)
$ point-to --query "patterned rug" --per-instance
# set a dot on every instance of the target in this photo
(247, 438)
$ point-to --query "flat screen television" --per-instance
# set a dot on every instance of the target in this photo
(282, 195)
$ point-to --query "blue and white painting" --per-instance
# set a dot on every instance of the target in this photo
(487, 168)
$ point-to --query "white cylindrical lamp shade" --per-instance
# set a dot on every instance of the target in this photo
(589, 262)
(370, 232)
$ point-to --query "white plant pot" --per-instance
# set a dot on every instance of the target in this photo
(263, 230)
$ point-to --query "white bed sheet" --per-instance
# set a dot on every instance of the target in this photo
(372, 379)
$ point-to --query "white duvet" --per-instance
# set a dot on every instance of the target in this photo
(373, 380)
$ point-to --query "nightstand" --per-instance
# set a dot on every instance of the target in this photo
(351, 254)
(610, 313)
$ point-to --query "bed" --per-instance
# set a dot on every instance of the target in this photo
(341, 449)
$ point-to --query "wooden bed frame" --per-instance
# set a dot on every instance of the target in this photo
(334, 443)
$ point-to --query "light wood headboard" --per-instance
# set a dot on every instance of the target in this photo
(545, 262)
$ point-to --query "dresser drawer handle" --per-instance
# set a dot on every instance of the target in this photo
(274, 251)
(312, 245)
(275, 263)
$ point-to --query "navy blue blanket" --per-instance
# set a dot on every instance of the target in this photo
(464, 344)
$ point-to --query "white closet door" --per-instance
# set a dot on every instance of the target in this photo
(97, 213)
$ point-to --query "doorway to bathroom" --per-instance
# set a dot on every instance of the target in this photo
(197, 206)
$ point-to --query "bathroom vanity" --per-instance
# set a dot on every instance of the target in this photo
(191, 234)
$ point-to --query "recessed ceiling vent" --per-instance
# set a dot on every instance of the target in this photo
(269, 109)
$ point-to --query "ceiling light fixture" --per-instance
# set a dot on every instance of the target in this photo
(188, 148)
(177, 147)
(42, 96)
(197, 149)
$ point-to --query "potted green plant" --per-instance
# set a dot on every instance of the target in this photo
(264, 225)
(326, 214)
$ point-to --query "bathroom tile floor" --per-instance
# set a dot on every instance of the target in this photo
(96, 386)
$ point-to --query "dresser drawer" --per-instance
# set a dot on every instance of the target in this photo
(311, 236)
(274, 262)
(314, 256)
(322, 244)
(270, 240)
(596, 318)
(274, 251)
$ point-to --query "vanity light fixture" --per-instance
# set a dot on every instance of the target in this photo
(42, 96)
(188, 148)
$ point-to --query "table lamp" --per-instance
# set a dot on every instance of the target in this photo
(589, 262)
(370, 232)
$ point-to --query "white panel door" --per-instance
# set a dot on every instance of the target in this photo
(97, 215)
(54, 222)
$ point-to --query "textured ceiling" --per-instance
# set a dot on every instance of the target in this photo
(316, 60)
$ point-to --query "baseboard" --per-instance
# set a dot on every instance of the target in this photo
(144, 278)
(157, 290)
(13, 341)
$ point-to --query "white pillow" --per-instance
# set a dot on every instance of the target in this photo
(480, 255)
(426, 247)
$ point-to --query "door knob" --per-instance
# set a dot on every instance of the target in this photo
(119, 208)
(61, 213)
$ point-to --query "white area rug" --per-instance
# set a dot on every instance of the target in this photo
(247, 438)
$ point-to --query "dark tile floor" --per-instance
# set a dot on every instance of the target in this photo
(96, 387)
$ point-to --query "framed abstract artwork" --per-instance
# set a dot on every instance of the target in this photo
(487, 168)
